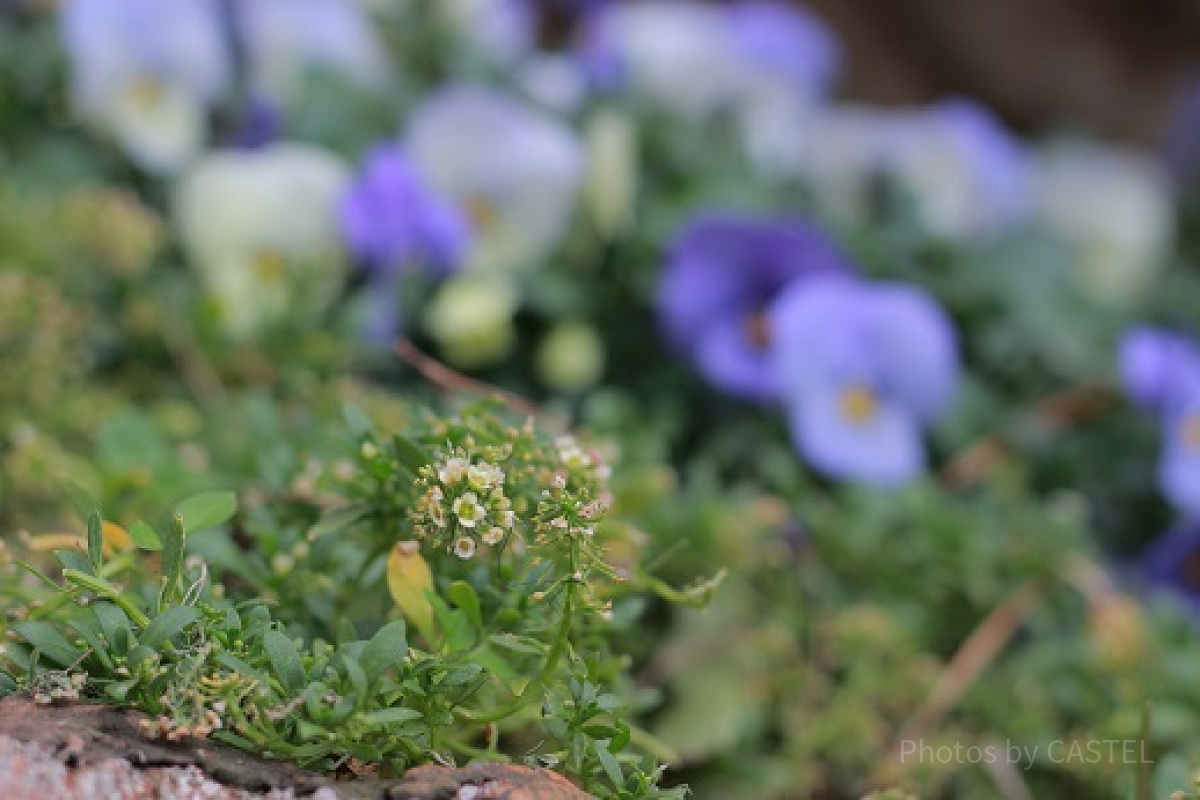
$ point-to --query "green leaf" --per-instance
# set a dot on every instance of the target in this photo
(410, 454)
(73, 559)
(611, 767)
(49, 641)
(174, 543)
(338, 520)
(144, 536)
(120, 689)
(95, 539)
(392, 716)
(518, 644)
(206, 510)
(387, 648)
(89, 630)
(236, 664)
(358, 422)
(8, 684)
(285, 660)
(168, 625)
(463, 595)
(114, 624)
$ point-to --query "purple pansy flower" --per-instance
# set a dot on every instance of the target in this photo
(393, 222)
(862, 368)
(1161, 372)
(723, 271)
(785, 41)
(1171, 565)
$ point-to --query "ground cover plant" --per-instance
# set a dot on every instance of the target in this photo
(400, 383)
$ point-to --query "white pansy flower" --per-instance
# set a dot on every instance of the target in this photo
(146, 72)
(1114, 207)
(514, 170)
(261, 227)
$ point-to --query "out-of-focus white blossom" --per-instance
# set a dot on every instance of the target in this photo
(612, 170)
(146, 72)
(471, 318)
(261, 226)
(514, 170)
(552, 81)
(1114, 207)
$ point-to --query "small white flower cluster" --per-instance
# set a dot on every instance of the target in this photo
(54, 686)
(464, 498)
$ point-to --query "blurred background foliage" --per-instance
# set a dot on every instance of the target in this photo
(998, 598)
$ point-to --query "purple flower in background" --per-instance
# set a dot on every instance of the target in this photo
(1171, 565)
(723, 271)
(967, 174)
(862, 368)
(1181, 145)
(785, 41)
(1161, 372)
(393, 222)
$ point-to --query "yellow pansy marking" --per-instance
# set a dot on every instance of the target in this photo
(757, 330)
(857, 404)
(1191, 432)
(269, 266)
(146, 92)
(481, 212)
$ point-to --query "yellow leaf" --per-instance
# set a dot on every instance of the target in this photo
(410, 581)
(116, 538)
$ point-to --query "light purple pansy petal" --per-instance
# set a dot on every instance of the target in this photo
(818, 335)
(1157, 367)
(392, 220)
(786, 39)
(725, 269)
(883, 450)
(913, 344)
(1168, 565)
(728, 359)
(1179, 471)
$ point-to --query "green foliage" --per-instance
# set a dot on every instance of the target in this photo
(519, 650)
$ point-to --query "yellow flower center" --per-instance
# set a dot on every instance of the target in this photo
(269, 266)
(757, 330)
(857, 404)
(1191, 432)
(481, 212)
(146, 92)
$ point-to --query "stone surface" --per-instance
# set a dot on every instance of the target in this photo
(83, 752)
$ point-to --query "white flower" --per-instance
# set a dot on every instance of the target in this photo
(146, 72)
(843, 148)
(484, 476)
(507, 518)
(493, 536)
(468, 510)
(260, 226)
(1114, 208)
(514, 171)
(471, 317)
(284, 40)
(552, 81)
(464, 547)
(676, 53)
(612, 171)
(453, 470)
